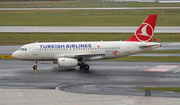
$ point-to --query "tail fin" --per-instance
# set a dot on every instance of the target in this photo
(145, 31)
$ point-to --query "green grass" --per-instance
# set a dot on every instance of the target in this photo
(172, 89)
(164, 51)
(174, 37)
(7, 58)
(86, 18)
(147, 58)
(75, 4)
(24, 38)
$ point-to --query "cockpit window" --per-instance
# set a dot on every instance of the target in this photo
(23, 49)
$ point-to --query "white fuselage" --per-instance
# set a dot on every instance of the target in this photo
(102, 50)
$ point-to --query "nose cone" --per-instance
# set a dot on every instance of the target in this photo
(15, 55)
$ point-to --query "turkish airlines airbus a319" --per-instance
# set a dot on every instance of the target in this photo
(69, 54)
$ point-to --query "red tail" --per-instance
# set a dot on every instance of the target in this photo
(145, 31)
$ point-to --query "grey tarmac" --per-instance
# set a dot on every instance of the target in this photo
(20, 84)
(115, 78)
(86, 29)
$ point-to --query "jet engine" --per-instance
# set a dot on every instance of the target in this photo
(67, 62)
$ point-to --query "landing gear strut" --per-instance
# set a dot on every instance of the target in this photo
(35, 65)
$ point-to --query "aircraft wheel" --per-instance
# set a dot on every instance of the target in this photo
(34, 67)
(86, 67)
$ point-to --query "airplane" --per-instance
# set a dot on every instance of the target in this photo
(71, 54)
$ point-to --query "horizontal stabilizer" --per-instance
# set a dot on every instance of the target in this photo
(150, 45)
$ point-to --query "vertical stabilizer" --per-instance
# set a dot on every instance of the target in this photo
(145, 31)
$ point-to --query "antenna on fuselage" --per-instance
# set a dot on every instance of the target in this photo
(36, 41)
(101, 40)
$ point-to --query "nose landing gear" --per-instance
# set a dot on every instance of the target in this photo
(35, 65)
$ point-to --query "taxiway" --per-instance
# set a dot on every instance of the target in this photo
(115, 78)
(86, 29)
(20, 84)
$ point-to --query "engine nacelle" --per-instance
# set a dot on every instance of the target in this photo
(67, 62)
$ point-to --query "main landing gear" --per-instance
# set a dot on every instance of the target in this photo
(84, 67)
(35, 65)
(83, 64)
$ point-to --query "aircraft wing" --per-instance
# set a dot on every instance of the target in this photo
(85, 55)
(89, 55)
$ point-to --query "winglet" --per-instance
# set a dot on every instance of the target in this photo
(145, 31)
